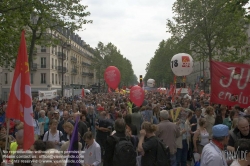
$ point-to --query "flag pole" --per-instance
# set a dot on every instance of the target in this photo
(7, 133)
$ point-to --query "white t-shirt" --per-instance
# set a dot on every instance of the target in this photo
(53, 138)
(235, 163)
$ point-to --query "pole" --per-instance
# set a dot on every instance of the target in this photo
(203, 75)
(62, 70)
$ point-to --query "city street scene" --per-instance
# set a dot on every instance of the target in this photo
(124, 83)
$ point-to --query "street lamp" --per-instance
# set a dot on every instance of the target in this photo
(67, 46)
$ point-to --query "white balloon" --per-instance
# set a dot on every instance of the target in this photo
(151, 83)
(182, 64)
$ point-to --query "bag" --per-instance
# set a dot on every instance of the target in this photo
(162, 154)
(60, 138)
(124, 153)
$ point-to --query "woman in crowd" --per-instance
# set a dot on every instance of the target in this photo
(53, 134)
(201, 136)
(45, 121)
(210, 119)
(147, 145)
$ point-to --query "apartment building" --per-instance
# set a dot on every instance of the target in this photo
(69, 59)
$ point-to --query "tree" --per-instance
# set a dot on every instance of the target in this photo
(38, 17)
(109, 55)
(159, 66)
(209, 28)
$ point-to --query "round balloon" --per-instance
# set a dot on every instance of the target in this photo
(182, 64)
(137, 95)
(112, 76)
(151, 83)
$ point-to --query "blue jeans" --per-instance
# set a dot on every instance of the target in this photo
(181, 155)
(173, 159)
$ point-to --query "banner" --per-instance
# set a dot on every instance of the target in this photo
(230, 84)
(68, 92)
(50, 94)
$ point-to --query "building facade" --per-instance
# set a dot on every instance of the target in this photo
(69, 59)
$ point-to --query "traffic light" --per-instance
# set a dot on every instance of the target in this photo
(141, 80)
(202, 80)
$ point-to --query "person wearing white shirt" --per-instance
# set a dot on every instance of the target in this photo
(213, 153)
(92, 155)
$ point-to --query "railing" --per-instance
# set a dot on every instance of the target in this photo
(74, 71)
(73, 59)
(85, 74)
(60, 55)
(34, 67)
(59, 68)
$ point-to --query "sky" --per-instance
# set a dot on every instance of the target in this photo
(135, 27)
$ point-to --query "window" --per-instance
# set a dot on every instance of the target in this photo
(43, 78)
(6, 78)
(43, 62)
(31, 78)
(55, 62)
(52, 78)
(43, 49)
(52, 63)
(56, 78)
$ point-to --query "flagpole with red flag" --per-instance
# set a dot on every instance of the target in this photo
(20, 99)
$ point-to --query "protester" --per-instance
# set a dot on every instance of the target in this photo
(241, 131)
(168, 132)
(148, 144)
(212, 154)
(92, 155)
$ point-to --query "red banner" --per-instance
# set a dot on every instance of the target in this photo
(230, 84)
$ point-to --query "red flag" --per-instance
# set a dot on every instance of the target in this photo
(179, 92)
(20, 100)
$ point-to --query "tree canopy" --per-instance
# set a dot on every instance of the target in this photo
(37, 17)
(109, 55)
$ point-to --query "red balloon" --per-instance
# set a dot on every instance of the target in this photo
(83, 93)
(137, 95)
(112, 77)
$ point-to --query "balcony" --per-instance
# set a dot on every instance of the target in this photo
(85, 64)
(60, 55)
(74, 71)
(91, 74)
(73, 59)
(59, 68)
(33, 67)
(84, 74)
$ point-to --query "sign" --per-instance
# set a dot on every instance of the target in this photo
(51, 94)
(67, 92)
(230, 84)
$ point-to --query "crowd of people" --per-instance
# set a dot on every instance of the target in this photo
(110, 124)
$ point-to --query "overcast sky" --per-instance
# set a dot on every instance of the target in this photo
(136, 27)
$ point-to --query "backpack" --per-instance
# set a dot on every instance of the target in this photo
(162, 154)
(60, 138)
(124, 153)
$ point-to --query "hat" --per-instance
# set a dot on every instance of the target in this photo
(220, 130)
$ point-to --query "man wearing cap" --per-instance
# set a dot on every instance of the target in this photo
(212, 154)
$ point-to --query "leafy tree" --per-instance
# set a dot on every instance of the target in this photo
(159, 66)
(210, 27)
(38, 17)
(109, 55)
